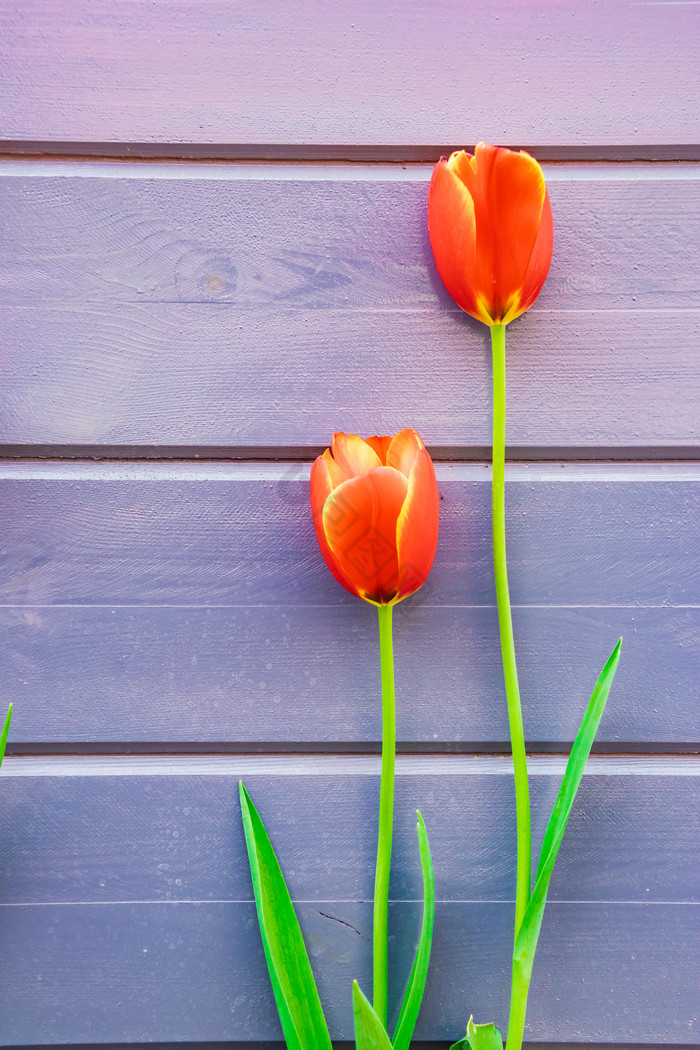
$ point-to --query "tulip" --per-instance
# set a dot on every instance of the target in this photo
(376, 505)
(490, 225)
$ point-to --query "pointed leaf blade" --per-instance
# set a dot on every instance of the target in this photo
(293, 984)
(529, 932)
(370, 1033)
(416, 983)
(480, 1037)
(483, 1036)
(5, 731)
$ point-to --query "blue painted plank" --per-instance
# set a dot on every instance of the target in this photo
(194, 323)
(94, 830)
(615, 973)
(264, 674)
(353, 73)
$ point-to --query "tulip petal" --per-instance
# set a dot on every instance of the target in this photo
(490, 230)
(321, 488)
(417, 527)
(353, 455)
(539, 260)
(336, 474)
(452, 229)
(380, 445)
(360, 522)
(403, 451)
(509, 194)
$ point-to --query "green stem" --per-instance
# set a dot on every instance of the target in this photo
(505, 623)
(386, 817)
(519, 987)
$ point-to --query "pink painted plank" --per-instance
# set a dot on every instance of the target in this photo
(538, 72)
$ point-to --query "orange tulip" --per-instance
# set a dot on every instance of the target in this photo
(490, 225)
(376, 506)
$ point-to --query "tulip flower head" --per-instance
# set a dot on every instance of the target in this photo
(376, 506)
(490, 225)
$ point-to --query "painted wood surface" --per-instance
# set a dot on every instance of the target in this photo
(280, 676)
(353, 73)
(250, 309)
(174, 831)
(123, 961)
(265, 307)
(109, 973)
(190, 602)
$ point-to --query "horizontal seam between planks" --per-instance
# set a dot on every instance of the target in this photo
(295, 161)
(343, 900)
(333, 764)
(104, 305)
(328, 605)
(295, 472)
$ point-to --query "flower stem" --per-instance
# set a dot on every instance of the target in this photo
(505, 623)
(520, 985)
(386, 817)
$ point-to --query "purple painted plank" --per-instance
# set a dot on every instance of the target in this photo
(141, 925)
(261, 675)
(226, 557)
(199, 376)
(354, 73)
(174, 832)
(311, 237)
(236, 534)
(161, 310)
(614, 973)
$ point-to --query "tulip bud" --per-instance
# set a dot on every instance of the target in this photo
(490, 225)
(376, 506)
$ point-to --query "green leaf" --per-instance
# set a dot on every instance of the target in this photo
(416, 983)
(5, 731)
(479, 1037)
(526, 942)
(293, 983)
(370, 1033)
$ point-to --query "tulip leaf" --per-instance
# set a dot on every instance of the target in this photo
(526, 941)
(480, 1037)
(5, 731)
(416, 983)
(370, 1033)
(293, 984)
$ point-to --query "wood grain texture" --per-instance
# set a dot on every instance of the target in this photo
(190, 602)
(174, 831)
(127, 962)
(302, 674)
(178, 972)
(262, 307)
(542, 72)
(314, 237)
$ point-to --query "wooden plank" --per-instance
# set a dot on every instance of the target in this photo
(103, 953)
(238, 676)
(160, 973)
(230, 534)
(190, 602)
(174, 831)
(160, 311)
(353, 73)
(196, 376)
(349, 237)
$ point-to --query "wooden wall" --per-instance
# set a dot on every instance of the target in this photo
(213, 254)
